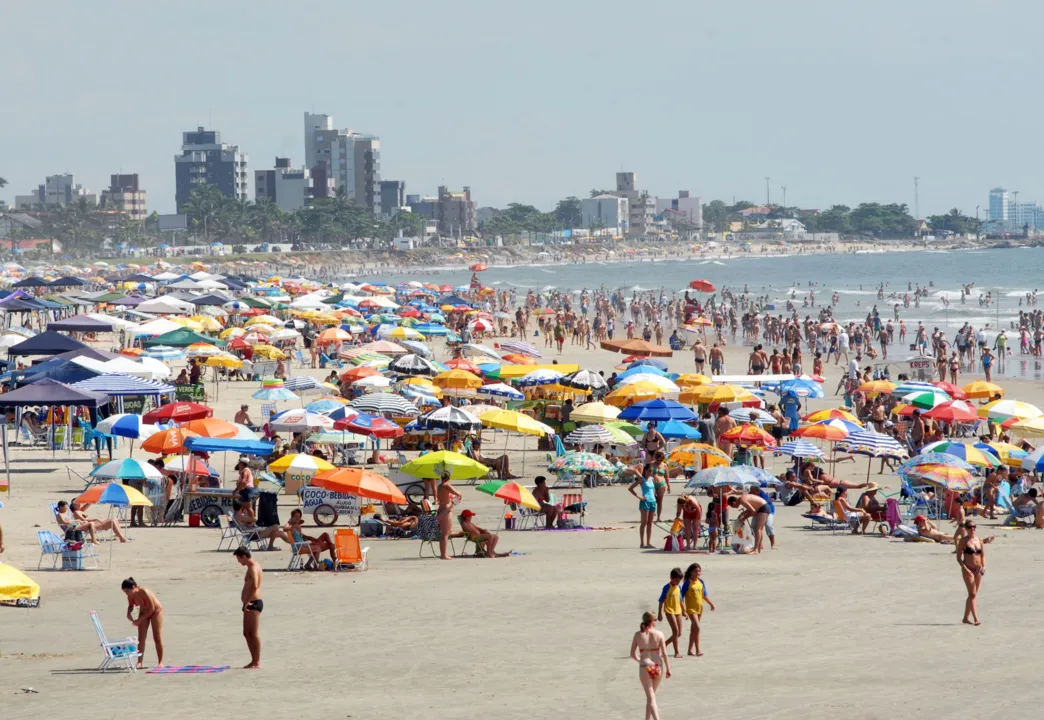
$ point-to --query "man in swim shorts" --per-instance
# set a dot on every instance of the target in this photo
(253, 605)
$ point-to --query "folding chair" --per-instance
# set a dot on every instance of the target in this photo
(246, 537)
(301, 555)
(398, 462)
(87, 480)
(56, 549)
(573, 503)
(349, 552)
(429, 534)
(117, 652)
(267, 411)
(230, 534)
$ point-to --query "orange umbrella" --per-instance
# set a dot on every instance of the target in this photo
(702, 285)
(749, 434)
(357, 373)
(516, 359)
(333, 335)
(133, 351)
(168, 442)
(462, 364)
(637, 347)
(356, 481)
(212, 427)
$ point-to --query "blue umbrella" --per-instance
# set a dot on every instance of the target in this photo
(431, 329)
(658, 410)
(127, 469)
(274, 393)
(417, 347)
(650, 362)
(677, 429)
(802, 388)
(640, 370)
(800, 448)
(341, 412)
(323, 406)
(732, 476)
(164, 352)
(125, 425)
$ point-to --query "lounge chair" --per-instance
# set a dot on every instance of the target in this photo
(910, 534)
(246, 536)
(429, 534)
(301, 556)
(58, 550)
(821, 521)
(350, 555)
(117, 652)
(1014, 514)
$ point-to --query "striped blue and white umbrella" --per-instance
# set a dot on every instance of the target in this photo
(164, 352)
(451, 418)
(802, 388)
(126, 425)
(417, 348)
(303, 384)
(323, 406)
(500, 390)
(799, 448)
(522, 348)
(732, 476)
(873, 444)
(127, 469)
(540, 377)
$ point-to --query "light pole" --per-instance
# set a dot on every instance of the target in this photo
(917, 198)
(768, 193)
(1015, 219)
(784, 189)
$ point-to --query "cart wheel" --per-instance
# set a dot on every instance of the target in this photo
(210, 515)
(325, 515)
(415, 493)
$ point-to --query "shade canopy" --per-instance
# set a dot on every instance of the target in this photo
(50, 393)
(50, 342)
(243, 447)
(80, 323)
(182, 337)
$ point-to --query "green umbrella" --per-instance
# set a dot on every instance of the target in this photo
(630, 429)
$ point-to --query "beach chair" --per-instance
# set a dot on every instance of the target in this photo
(231, 536)
(398, 461)
(301, 555)
(246, 537)
(820, 521)
(350, 555)
(919, 504)
(299, 357)
(839, 515)
(1004, 503)
(910, 534)
(267, 411)
(468, 540)
(527, 516)
(117, 652)
(32, 437)
(58, 550)
(429, 535)
(573, 504)
(87, 480)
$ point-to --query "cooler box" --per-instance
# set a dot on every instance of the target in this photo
(72, 559)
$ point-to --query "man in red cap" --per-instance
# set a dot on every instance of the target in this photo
(483, 539)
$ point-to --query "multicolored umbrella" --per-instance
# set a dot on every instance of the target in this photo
(934, 458)
(831, 414)
(968, 453)
(126, 425)
(299, 463)
(114, 494)
(127, 469)
(513, 346)
(926, 399)
(832, 430)
(1010, 455)
(658, 410)
(945, 476)
(167, 442)
(749, 435)
(300, 420)
(581, 463)
(1005, 409)
(432, 465)
(954, 411)
(384, 404)
(273, 390)
(509, 491)
(700, 455)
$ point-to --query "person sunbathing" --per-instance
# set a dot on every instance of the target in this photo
(247, 521)
(927, 529)
(850, 512)
(501, 463)
(73, 518)
(813, 475)
(317, 545)
(485, 541)
(1028, 504)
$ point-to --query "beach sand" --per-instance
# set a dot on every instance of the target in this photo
(824, 626)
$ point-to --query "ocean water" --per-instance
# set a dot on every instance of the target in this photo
(1007, 275)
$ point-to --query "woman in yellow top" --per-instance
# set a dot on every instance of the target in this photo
(671, 603)
(695, 593)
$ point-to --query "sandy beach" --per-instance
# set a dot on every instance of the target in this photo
(827, 625)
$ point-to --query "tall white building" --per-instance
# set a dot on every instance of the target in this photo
(610, 212)
(999, 206)
(353, 160)
(289, 188)
(685, 205)
(56, 190)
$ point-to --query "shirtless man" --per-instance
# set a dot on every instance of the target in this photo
(252, 605)
(810, 476)
(543, 496)
(754, 507)
(717, 359)
(73, 518)
(723, 424)
(447, 496)
(699, 355)
(483, 539)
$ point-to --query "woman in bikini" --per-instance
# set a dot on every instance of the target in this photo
(150, 614)
(690, 512)
(447, 497)
(971, 556)
(646, 506)
(649, 650)
(661, 481)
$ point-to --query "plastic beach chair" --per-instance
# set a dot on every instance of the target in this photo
(117, 652)
(349, 552)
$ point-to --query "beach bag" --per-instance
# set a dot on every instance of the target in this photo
(742, 542)
(673, 543)
(73, 535)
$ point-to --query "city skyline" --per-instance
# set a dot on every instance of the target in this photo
(533, 113)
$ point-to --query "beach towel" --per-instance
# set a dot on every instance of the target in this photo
(892, 516)
(186, 669)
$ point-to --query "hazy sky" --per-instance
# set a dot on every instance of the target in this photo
(842, 102)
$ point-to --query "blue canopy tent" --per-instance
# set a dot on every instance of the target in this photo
(243, 447)
(81, 323)
(50, 342)
(121, 386)
(49, 393)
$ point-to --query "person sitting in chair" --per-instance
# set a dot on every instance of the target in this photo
(501, 464)
(485, 541)
(543, 496)
(72, 518)
(316, 544)
(247, 521)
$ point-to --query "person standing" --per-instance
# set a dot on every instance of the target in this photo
(649, 650)
(646, 506)
(971, 556)
(253, 605)
(150, 614)
(671, 603)
(447, 497)
(694, 593)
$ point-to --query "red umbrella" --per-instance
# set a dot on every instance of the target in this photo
(702, 285)
(178, 412)
(749, 434)
(953, 411)
(462, 364)
(364, 424)
(408, 312)
(478, 267)
(238, 344)
(358, 373)
(446, 288)
(950, 389)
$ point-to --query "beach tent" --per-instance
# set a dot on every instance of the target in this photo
(154, 328)
(166, 306)
(19, 305)
(216, 299)
(67, 281)
(128, 301)
(64, 371)
(17, 589)
(81, 323)
(51, 393)
(31, 282)
(182, 337)
(46, 343)
(243, 447)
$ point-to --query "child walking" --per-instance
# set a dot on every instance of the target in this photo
(671, 604)
(694, 590)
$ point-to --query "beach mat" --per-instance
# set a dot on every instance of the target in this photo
(186, 669)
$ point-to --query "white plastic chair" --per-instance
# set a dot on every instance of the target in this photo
(117, 652)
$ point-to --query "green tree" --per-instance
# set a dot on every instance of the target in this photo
(595, 193)
(956, 222)
(204, 205)
(836, 219)
(716, 216)
(568, 213)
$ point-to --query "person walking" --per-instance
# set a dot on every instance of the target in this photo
(649, 650)
(971, 556)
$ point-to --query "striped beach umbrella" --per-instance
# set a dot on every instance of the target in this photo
(832, 430)
(732, 476)
(384, 404)
(514, 346)
(500, 390)
(451, 418)
(968, 453)
(126, 425)
(700, 455)
(799, 449)
(127, 469)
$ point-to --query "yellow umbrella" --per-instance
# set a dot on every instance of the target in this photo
(1029, 427)
(224, 360)
(325, 319)
(206, 322)
(877, 387)
(262, 320)
(231, 333)
(187, 323)
(269, 352)
(708, 394)
(635, 392)
(691, 380)
(515, 422)
(16, 588)
(594, 412)
(705, 455)
(457, 380)
(982, 389)
(262, 328)
(832, 414)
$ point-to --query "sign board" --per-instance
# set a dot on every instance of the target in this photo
(173, 222)
(343, 503)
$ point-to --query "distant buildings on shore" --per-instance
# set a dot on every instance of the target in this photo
(1007, 214)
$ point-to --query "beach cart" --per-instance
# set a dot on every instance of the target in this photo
(209, 503)
(328, 506)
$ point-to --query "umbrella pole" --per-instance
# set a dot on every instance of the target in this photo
(7, 464)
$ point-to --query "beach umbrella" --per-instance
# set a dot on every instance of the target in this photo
(1011, 455)
(500, 390)
(802, 388)
(954, 411)
(478, 267)
(968, 453)
(752, 414)
(702, 286)
(594, 412)
(636, 346)
(831, 430)
(948, 477)
(323, 406)
(432, 465)
(658, 410)
(212, 427)
(800, 449)
(711, 394)
(872, 445)
(201, 350)
(749, 435)
(178, 412)
(589, 435)
(17, 589)
(451, 418)
(514, 346)
(629, 428)
(909, 386)
(457, 380)
(518, 359)
(1029, 427)
(831, 414)
(412, 364)
(417, 348)
(188, 464)
(341, 413)
(359, 482)
(302, 384)
(1034, 461)
(127, 469)
(648, 362)
(676, 429)
(1006, 409)
(167, 442)
(540, 377)
(400, 333)
(357, 373)
(165, 353)
(253, 338)
(479, 349)
(273, 390)
(731, 476)
(926, 399)
(582, 463)
(689, 380)
(284, 334)
(698, 454)
(662, 384)
(877, 387)
(337, 437)
(950, 389)
(372, 425)
(631, 394)
(126, 425)
(300, 420)
(374, 382)
(641, 370)
(514, 421)
(510, 492)
(933, 458)
(980, 389)
(269, 352)
(115, 493)
(333, 335)
(384, 404)
(299, 464)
